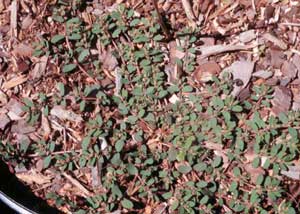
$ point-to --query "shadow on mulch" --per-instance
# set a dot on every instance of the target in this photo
(12, 187)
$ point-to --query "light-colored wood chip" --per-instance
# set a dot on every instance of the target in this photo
(207, 51)
(275, 41)
(15, 82)
(13, 18)
(189, 11)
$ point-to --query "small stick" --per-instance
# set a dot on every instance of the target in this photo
(76, 183)
(161, 22)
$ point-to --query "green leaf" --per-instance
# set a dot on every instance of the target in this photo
(162, 94)
(47, 161)
(123, 109)
(61, 88)
(83, 55)
(82, 105)
(259, 180)
(267, 164)
(132, 119)
(28, 102)
(116, 191)
(202, 184)
(217, 161)
(85, 143)
(174, 205)
(237, 108)
(132, 170)
(236, 171)
(254, 197)
(187, 89)
(184, 169)
(119, 145)
(256, 162)
(172, 154)
(69, 67)
(127, 203)
(200, 167)
(283, 118)
(204, 200)
(158, 38)
(134, 22)
(57, 38)
(293, 132)
(75, 36)
(167, 195)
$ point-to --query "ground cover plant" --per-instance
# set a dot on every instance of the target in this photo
(154, 108)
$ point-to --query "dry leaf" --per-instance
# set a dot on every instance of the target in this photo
(174, 98)
(206, 71)
(289, 70)
(293, 172)
(109, 61)
(174, 52)
(4, 120)
(22, 127)
(15, 109)
(282, 99)
(296, 61)
(160, 209)
(254, 172)
(242, 72)
(26, 22)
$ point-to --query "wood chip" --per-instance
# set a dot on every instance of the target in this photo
(45, 126)
(22, 50)
(13, 18)
(15, 109)
(247, 36)
(271, 38)
(263, 74)
(3, 98)
(289, 70)
(293, 172)
(32, 177)
(77, 184)
(277, 58)
(64, 114)
(2, 5)
(26, 22)
(15, 82)
(207, 51)
(39, 68)
(189, 11)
